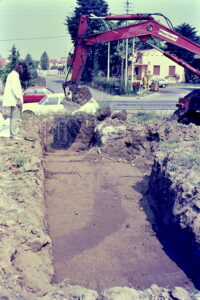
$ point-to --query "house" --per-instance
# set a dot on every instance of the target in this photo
(53, 63)
(153, 63)
(3, 62)
(57, 63)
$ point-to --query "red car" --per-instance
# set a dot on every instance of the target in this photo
(35, 93)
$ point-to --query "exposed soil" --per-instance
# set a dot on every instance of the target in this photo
(100, 232)
(99, 211)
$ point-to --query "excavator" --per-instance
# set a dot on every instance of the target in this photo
(147, 28)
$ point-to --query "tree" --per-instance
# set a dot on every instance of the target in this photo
(31, 70)
(86, 7)
(14, 59)
(190, 33)
(44, 61)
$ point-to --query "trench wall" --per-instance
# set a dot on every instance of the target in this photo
(175, 199)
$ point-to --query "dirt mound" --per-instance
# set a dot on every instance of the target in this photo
(122, 115)
(104, 113)
(81, 95)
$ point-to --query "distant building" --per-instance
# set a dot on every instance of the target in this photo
(3, 62)
(56, 63)
(53, 63)
(154, 63)
(63, 60)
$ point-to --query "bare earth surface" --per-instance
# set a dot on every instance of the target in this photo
(100, 233)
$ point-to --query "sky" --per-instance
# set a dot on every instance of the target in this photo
(35, 26)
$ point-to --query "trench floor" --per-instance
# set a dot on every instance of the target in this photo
(100, 233)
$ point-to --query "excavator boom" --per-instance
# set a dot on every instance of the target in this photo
(148, 29)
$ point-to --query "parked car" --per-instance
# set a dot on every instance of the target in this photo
(51, 103)
(163, 83)
(35, 94)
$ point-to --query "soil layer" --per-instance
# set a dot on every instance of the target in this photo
(100, 232)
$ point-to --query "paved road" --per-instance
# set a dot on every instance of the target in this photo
(165, 99)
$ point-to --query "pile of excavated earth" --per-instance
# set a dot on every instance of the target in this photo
(166, 153)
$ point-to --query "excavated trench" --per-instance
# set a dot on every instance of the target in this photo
(100, 215)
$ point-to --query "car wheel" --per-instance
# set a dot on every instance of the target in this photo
(164, 85)
(28, 113)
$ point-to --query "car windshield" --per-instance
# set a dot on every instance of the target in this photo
(29, 92)
(41, 92)
(49, 101)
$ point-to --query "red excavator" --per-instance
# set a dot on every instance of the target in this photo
(147, 28)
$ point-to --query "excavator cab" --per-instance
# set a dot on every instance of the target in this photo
(188, 108)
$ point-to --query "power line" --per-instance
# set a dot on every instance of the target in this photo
(36, 38)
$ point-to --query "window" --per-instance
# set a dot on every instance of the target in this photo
(172, 70)
(29, 92)
(40, 92)
(51, 101)
(156, 70)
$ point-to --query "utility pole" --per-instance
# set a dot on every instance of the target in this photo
(132, 63)
(127, 10)
(108, 63)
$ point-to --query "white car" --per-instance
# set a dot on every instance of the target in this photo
(163, 82)
(51, 103)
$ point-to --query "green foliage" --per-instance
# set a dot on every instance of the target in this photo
(112, 86)
(2, 72)
(86, 7)
(13, 58)
(189, 162)
(31, 71)
(190, 33)
(147, 116)
(44, 61)
(13, 61)
(180, 159)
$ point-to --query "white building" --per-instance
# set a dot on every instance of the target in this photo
(154, 63)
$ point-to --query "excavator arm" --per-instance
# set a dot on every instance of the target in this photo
(149, 28)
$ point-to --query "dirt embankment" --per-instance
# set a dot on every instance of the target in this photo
(26, 250)
(176, 202)
(24, 244)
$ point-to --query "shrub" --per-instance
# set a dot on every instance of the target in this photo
(113, 86)
(147, 116)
